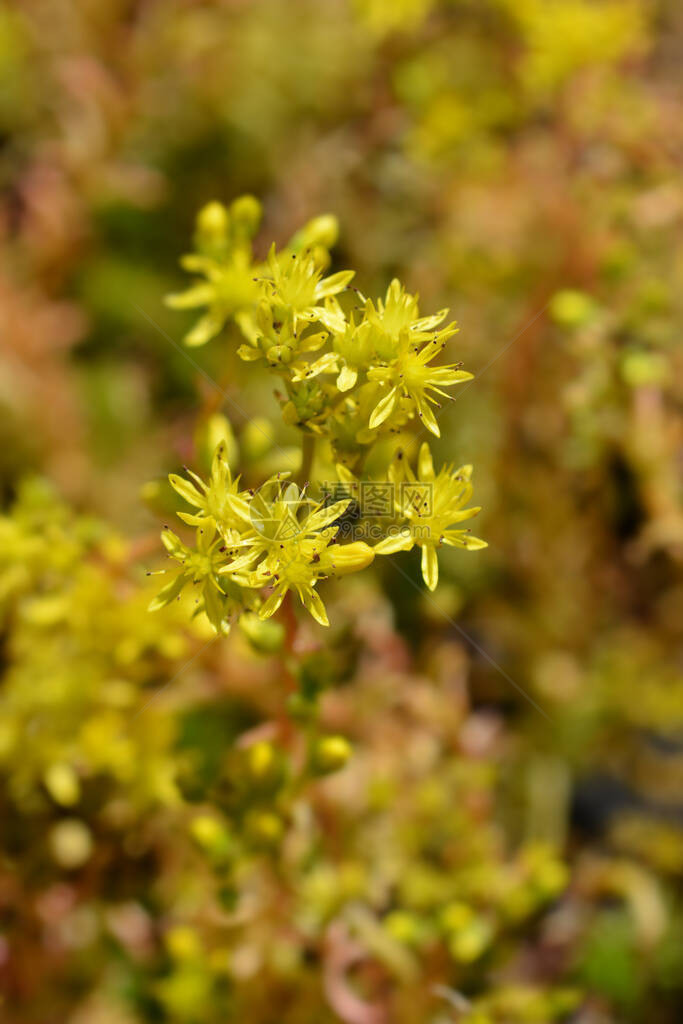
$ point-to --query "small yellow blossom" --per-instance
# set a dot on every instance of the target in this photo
(221, 601)
(296, 288)
(225, 260)
(405, 344)
(430, 512)
(219, 501)
(295, 540)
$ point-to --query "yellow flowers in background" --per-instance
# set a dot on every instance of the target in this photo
(452, 803)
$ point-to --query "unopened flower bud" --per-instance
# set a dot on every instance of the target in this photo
(345, 558)
(213, 223)
(246, 215)
(323, 230)
(183, 943)
(469, 944)
(211, 835)
(279, 354)
(261, 759)
(572, 308)
(265, 827)
(212, 432)
(61, 782)
(290, 414)
(331, 753)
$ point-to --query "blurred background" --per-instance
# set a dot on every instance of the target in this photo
(507, 841)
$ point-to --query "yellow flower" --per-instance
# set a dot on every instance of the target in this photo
(393, 346)
(224, 259)
(221, 601)
(281, 346)
(352, 345)
(294, 545)
(220, 501)
(394, 315)
(408, 376)
(430, 506)
(296, 289)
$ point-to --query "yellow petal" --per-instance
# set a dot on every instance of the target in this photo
(199, 295)
(383, 409)
(192, 520)
(334, 283)
(460, 539)
(207, 327)
(347, 378)
(167, 593)
(313, 604)
(428, 418)
(402, 541)
(272, 604)
(430, 566)
(474, 543)
(172, 543)
(326, 516)
(249, 354)
(186, 490)
(425, 463)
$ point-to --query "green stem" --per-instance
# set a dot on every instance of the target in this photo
(307, 456)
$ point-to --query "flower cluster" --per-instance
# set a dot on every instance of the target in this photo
(349, 374)
(350, 377)
(275, 538)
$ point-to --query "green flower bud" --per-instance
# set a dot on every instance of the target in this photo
(183, 943)
(289, 414)
(301, 707)
(640, 368)
(331, 753)
(468, 944)
(457, 916)
(551, 878)
(261, 760)
(211, 835)
(265, 828)
(279, 354)
(572, 308)
(404, 927)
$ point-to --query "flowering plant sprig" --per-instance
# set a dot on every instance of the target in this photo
(351, 376)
